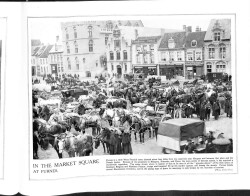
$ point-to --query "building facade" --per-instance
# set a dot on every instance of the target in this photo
(145, 56)
(56, 59)
(171, 54)
(194, 61)
(84, 45)
(217, 45)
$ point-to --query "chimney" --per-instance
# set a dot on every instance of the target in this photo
(197, 29)
(162, 32)
(184, 27)
(189, 29)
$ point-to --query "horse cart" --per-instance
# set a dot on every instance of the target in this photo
(174, 134)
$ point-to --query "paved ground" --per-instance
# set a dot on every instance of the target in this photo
(222, 125)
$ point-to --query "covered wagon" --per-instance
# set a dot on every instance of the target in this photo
(174, 133)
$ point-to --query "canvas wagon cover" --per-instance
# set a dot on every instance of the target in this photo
(173, 131)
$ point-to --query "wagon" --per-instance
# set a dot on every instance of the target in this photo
(174, 133)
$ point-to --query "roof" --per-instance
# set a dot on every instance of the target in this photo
(198, 36)
(219, 24)
(178, 37)
(150, 39)
(59, 49)
(35, 42)
(104, 23)
(45, 53)
(35, 50)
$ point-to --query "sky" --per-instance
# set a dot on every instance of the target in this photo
(46, 29)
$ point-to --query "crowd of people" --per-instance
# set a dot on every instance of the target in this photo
(108, 110)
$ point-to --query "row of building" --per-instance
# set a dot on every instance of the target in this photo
(92, 48)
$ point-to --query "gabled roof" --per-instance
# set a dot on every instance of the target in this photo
(198, 36)
(220, 24)
(178, 37)
(35, 50)
(59, 49)
(45, 53)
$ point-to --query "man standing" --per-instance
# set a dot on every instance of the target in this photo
(208, 110)
(216, 110)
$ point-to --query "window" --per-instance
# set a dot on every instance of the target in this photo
(152, 47)
(90, 45)
(83, 60)
(118, 56)
(198, 56)
(171, 54)
(211, 52)
(67, 34)
(171, 43)
(193, 43)
(138, 48)
(112, 67)
(125, 65)
(144, 47)
(179, 56)
(76, 47)
(217, 36)
(220, 67)
(88, 74)
(125, 55)
(106, 39)
(96, 63)
(77, 63)
(111, 55)
(190, 56)
(68, 48)
(69, 64)
(145, 60)
(209, 67)
(138, 59)
(163, 56)
(117, 44)
(152, 58)
(62, 69)
(90, 31)
(75, 32)
(222, 51)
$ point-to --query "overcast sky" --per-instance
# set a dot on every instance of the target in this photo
(46, 29)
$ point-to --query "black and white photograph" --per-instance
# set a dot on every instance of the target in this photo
(131, 85)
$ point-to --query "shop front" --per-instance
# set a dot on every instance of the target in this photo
(194, 70)
(146, 70)
(171, 71)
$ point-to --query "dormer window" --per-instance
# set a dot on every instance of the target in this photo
(217, 36)
(194, 43)
(171, 43)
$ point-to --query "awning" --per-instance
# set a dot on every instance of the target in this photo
(170, 66)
